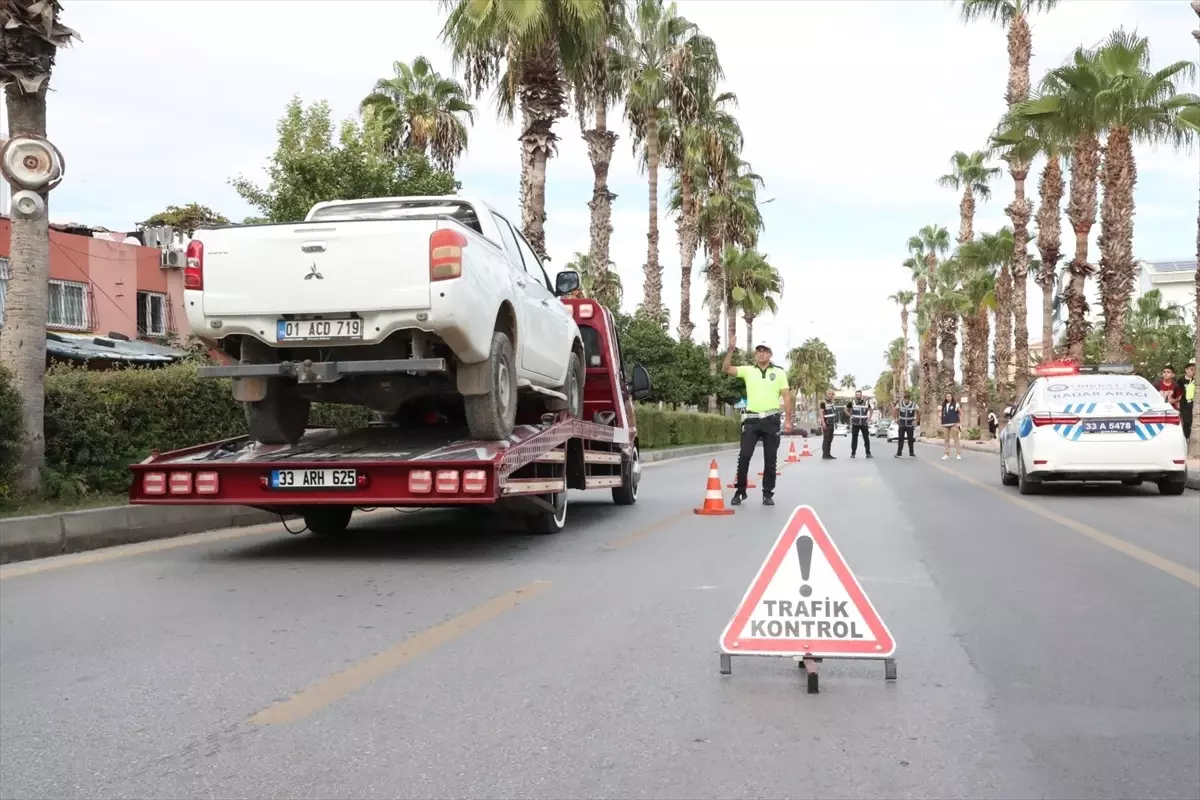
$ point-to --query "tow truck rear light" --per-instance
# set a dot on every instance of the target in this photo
(1041, 420)
(193, 273)
(1159, 418)
(474, 481)
(445, 254)
(154, 483)
(447, 481)
(420, 481)
(207, 483)
(586, 310)
(180, 483)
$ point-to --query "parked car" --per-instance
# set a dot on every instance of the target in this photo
(841, 429)
(380, 303)
(881, 428)
(893, 431)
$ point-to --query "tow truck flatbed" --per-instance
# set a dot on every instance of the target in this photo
(329, 472)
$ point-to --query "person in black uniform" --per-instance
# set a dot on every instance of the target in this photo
(860, 413)
(829, 418)
(906, 415)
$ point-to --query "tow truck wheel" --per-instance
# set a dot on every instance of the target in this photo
(328, 520)
(545, 521)
(631, 475)
(490, 416)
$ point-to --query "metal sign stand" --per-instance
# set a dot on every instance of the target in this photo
(809, 664)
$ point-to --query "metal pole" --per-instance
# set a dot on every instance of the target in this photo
(6, 190)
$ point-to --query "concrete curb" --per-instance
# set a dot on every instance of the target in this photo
(1193, 477)
(25, 538)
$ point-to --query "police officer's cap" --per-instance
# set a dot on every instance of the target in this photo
(763, 346)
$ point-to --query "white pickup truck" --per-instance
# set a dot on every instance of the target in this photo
(388, 303)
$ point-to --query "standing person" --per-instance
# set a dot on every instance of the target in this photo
(906, 415)
(993, 423)
(951, 422)
(1169, 388)
(860, 412)
(829, 418)
(766, 383)
(1189, 397)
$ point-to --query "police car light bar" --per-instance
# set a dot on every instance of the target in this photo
(1058, 368)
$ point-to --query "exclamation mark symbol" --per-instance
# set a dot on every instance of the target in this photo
(804, 548)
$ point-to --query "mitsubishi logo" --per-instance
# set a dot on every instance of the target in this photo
(313, 273)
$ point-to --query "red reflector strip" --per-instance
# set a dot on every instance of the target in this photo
(474, 481)
(447, 481)
(1159, 419)
(207, 483)
(154, 483)
(420, 481)
(1178, 461)
(181, 483)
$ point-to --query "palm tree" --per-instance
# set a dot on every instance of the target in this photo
(30, 35)
(602, 285)
(662, 59)
(849, 382)
(597, 86)
(812, 368)
(896, 356)
(971, 175)
(730, 216)
(756, 285)
(979, 261)
(1135, 105)
(904, 299)
(948, 303)
(930, 242)
(421, 111)
(537, 48)
(996, 250)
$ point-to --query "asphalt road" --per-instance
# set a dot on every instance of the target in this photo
(1048, 647)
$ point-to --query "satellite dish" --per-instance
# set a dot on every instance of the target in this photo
(130, 240)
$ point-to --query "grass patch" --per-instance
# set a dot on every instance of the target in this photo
(34, 507)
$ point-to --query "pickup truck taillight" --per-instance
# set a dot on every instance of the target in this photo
(445, 254)
(193, 273)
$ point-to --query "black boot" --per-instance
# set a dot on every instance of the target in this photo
(768, 499)
(737, 499)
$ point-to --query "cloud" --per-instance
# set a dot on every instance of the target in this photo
(851, 111)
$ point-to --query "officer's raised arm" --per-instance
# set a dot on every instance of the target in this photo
(727, 367)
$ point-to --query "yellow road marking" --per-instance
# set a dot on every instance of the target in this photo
(642, 533)
(1148, 558)
(335, 687)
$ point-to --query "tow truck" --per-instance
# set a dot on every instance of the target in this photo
(426, 459)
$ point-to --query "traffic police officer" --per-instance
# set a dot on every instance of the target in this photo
(829, 420)
(860, 412)
(766, 383)
(906, 424)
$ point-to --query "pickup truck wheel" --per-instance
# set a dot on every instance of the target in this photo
(279, 418)
(491, 416)
(328, 520)
(547, 522)
(573, 389)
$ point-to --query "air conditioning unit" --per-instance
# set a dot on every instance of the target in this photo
(172, 259)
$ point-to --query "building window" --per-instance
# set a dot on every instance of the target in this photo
(151, 314)
(68, 305)
(3, 285)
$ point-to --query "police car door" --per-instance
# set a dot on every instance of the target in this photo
(1011, 433)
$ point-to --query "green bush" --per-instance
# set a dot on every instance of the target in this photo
(679, 428)
(10, 433)
(100, 422)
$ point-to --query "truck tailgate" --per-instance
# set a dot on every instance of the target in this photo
(316, 267)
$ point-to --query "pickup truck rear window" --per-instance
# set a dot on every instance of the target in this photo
(463, 213)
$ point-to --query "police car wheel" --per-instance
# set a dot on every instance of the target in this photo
(1025, 484)
(1171, 487)
(1006, 477)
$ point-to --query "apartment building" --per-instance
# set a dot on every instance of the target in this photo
(104, 283)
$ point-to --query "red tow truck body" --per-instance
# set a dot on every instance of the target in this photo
(429, 465)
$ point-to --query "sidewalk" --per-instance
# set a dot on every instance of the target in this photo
(1193, 467)
(24, 538)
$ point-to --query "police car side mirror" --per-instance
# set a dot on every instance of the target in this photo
(639, 385)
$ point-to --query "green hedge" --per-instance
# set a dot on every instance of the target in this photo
(679, 428)
(100, 422)
(10, 433)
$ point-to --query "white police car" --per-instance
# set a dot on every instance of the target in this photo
(1092, 424)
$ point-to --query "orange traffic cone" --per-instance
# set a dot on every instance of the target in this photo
(714, 502)
(792, 458)
(806, 453)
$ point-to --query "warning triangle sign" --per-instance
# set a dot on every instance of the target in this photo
(806, 601)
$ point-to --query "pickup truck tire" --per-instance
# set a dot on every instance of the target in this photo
(279, 418)
(328, 520)
(491, 416)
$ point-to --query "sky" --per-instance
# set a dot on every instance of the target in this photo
(851, 111)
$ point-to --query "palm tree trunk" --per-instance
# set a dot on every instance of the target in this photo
(686, 228)
(749, 320)
(979, 345)
(1003, 345)
(1049, 244)
(600, 142)
(1019, 212)
(652, 284)
(1081, 211)
(23, 343)
(966, 216)
(904, 355)
(715, 293)
(543, 100)
(1116, 240)
(948, 342)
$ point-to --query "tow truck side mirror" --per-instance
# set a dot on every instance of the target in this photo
(566, 282)
(639, 386)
